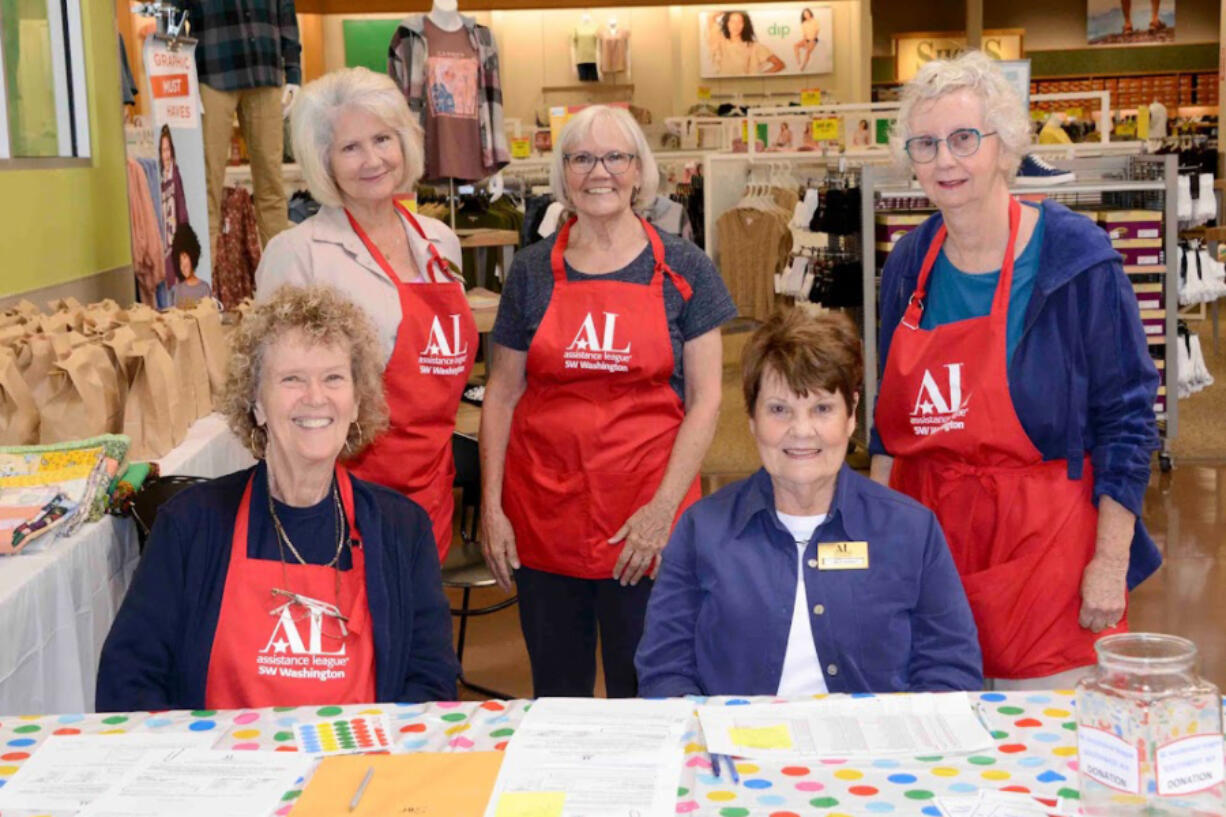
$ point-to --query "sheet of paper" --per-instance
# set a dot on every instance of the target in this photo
(423, 784)
(593, 757)
(841, 726)
(989, 803)
(203, 783)
(69, 771)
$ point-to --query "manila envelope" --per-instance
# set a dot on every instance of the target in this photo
(421, 784)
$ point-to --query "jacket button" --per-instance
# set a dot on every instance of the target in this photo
(832, 670)
(813, 563)
(819, 609)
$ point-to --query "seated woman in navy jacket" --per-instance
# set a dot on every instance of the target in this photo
(292, 582)
(807, 577)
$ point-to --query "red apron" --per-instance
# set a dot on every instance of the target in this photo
(593, 431)
(267, 652)
(436, 345)
(1020, 531)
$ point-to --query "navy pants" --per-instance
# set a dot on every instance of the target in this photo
(560, 616)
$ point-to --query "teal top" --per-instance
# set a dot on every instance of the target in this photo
(955, 296)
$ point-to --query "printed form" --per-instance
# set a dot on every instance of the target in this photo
(847, 727)
(593, 757)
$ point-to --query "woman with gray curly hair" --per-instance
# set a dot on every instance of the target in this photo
(602, 400)
(1017, 391)
(359, 148)
(291, 582)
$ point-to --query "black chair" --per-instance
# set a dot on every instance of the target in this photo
(151, 497)
(467, 570)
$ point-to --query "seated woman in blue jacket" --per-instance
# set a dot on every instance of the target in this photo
(292, 582)
(806, 577)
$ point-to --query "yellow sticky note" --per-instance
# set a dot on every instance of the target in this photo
(762, 737)
(521, 148)
(704, 93)
(826, 128)
(811, 97)
(530, 804)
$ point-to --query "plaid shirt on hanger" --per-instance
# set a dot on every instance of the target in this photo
(245, 43)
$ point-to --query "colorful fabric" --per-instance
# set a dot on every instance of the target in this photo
(1035, 751)
(238, 249)
(245, 43)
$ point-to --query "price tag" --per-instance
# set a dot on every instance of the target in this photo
(704, 93)
(1075, 113)
(409, 200)
(521, 148)
(1038, 115)
(825, 128)
(813, 96)
(1143, 122)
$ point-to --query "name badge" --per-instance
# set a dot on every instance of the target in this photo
(842, 556)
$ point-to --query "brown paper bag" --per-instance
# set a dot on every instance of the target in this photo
(180, 378)
(97, 319)
(138, 313)
(18, 411)
(213, 340)
(84, 397)
(68, 304)
(55, 322)
(36, 354)
(106, 304)
(12, 317)
(27, 308)
(153, 402)
(189, 354)
(11, 334)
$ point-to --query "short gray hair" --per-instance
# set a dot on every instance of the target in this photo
(578, 128)
(313, 124)
(1003, 110)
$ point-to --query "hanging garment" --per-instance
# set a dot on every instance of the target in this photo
(593, 432)
(1020, 531)
(238, 249)
(753, 247)
(255, 626)
(436, 346)
(147, 251)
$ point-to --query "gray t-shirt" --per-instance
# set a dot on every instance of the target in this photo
(529, 286)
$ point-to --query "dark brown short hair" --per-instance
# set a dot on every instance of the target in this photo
(808, 351)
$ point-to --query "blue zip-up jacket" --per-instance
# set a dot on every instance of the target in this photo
(720, 613)
(156, 655)
(1081, 378)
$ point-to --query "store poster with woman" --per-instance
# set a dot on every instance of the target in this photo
(784, 40)
(180, 198)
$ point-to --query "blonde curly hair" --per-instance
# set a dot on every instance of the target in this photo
(327, 318)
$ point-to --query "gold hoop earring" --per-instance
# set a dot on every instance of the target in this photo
(254, 447)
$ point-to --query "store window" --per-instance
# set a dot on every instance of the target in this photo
(43, 93)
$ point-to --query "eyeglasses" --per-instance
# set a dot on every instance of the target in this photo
(614, 161)
(962, 143)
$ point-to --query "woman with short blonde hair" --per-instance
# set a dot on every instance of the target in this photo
(293, 563)
(360, 148)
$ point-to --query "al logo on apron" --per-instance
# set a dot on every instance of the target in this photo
(269, 650)
(1021, 533)
(594, 428)
(436, 345)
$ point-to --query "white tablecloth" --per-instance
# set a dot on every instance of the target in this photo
(58, 597)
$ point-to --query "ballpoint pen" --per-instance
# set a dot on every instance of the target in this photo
(732, 772)
(714, 758)
(357, 795)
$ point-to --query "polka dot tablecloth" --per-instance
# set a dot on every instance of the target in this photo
(1035, 752)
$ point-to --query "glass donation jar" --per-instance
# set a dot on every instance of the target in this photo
(1149, 731)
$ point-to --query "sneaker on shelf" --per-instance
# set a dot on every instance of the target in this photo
(1035, 171)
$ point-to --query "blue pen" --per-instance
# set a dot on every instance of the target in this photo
(714, 758)
(736, 776)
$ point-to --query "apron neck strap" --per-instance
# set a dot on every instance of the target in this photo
(557, 261)
(344, 484)
(440, 272)
(915, 306)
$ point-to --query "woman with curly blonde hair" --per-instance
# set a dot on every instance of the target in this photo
(291, 582)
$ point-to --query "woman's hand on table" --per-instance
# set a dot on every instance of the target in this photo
(645, 534)
(1104, 591)
(498, 545)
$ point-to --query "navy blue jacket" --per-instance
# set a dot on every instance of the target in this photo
(1081, 378)
(721, 610)
(157, 653)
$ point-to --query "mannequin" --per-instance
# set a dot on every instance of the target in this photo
(253, 69)
(445, 15)
(614, 51)
(1157, 120)
(584, 49)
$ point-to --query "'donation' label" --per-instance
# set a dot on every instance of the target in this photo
(1108, 759)
(1189, 764)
